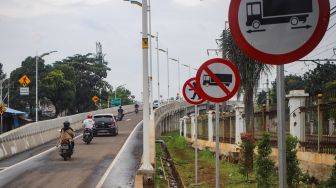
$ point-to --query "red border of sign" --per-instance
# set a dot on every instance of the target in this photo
(236, 74)
(306, 48)
(185, 95)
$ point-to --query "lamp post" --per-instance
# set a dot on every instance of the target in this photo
(158, 65)
(150, 50)
(178, 70)
(189, 67)
(36, 92)
(166, 51)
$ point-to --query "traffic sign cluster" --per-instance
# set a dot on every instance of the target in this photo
(217, 80)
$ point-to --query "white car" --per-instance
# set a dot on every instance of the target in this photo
(155, 104)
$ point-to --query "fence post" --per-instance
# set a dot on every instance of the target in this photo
(181, 127)
(210, 126)
(239, 124)
(192, 116)
(185, 126)
(297, 99)
(319, 121)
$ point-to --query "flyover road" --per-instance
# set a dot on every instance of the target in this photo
(90, 165)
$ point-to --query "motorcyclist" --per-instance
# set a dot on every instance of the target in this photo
(88, 123)
(120, 113)
(136, 106)
(67, 133)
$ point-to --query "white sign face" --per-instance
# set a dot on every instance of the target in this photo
(217, 80)
(278, 31)
(24, 90)
(278, 27)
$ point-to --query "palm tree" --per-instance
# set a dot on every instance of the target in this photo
(250, 72)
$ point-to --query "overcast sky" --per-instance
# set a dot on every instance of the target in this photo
(186, 27)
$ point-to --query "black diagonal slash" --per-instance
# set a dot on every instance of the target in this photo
(217, 80)
(195, 91)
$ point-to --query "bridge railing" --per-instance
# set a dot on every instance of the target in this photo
(37, 133)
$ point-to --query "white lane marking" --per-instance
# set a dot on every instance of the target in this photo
(128, 119)
(102, 180)
(3, 168)
(35, 156)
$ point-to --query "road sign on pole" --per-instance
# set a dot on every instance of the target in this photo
(217, 80)
(2, 109)
(24, 80)
(95, 99)
(24, 90)
(278, 32)
(190, 92)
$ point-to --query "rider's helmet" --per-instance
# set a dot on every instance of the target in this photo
(89, 116)
(66, 124)
(120, 107)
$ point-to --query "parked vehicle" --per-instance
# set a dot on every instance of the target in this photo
(87, 135)
(105, 124)
(66, 150)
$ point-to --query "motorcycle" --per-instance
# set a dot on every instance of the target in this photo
(120, 116)
(136, 110)
(66, 149)
(87, 136)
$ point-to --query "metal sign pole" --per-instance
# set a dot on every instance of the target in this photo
(196, 146)
(217, 144)
(281, 126)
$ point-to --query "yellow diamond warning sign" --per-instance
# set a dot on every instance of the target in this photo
(24, 80)
(2, 109)
(95, 98)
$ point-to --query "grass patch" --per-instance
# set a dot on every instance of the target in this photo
(159, 176)
(184, 157)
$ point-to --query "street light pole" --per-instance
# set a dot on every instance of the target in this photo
(178, 72)
(146, 166)
(36, 83)
(168, 73)
(158, 65)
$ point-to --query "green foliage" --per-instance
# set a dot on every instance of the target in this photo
(250, 72)
(59, 90)
(261, 98)
(332, 179)
(89, 80)
(124, 94)
(246, 154)
(177, 142)
(2, 74)
(293, 169)
(316, 80)
(28, 67)
(265, 166)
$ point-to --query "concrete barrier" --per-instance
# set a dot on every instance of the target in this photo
(38, 133)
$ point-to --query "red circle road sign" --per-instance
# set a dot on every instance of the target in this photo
(278, 32)
(217, 80)
(190, 92)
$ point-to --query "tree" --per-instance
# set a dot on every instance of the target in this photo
(28, 67)
(332, 179)
(250, 72)
(265, 165)
(59, 90)
(2, 74)
(316, 80)
(293, 169)
(89, 80)
(246, 154)
(124, 94)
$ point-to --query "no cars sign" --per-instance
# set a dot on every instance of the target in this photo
(217, 80)
(278, 32)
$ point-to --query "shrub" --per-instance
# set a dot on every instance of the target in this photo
(332, 179)
(264, 164)
(293, 169)
(246, 154)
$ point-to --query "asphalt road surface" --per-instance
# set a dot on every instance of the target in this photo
(85, 169)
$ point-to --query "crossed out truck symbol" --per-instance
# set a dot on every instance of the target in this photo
(224, 78)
